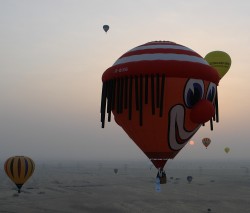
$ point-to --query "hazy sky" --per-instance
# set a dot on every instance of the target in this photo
(53, 54)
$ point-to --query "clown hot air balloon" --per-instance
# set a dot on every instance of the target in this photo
(160, 93)
(19, 169)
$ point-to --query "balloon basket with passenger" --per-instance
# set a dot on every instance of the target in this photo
(161, 175)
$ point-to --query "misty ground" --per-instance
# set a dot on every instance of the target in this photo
(81, 186)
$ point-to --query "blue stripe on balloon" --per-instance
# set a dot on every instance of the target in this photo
(26, 167)
(19, 167)
(11, 167)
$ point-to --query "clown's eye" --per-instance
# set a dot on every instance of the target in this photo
(194, 92)
(211, 91)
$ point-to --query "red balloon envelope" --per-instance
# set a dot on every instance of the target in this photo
(160, 93)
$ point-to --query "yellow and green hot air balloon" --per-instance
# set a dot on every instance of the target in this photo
(19, 169)
(227, 149)
(219, 60)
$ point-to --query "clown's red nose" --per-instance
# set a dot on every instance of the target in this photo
(202, 111)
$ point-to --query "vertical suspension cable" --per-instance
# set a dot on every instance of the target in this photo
(141, 100)
(109, 96)
(146, 89)
(121, 95)
(126, 93)
(113, 94)
(130, 98)
(157, 90)
(216, 106)
(152, 94)
(118, 96)
(103, 103)
(136, 93)
(162, 94)
(211, 125)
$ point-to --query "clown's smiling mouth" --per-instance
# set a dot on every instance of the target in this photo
(179, 140)
(178, 135)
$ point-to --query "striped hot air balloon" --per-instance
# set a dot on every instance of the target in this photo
(19, 169)
(206, 142)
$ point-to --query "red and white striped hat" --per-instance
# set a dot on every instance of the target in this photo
(162, 57)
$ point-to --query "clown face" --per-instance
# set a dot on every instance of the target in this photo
(186, 117)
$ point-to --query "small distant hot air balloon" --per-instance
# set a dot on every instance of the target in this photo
(219, 60)
(227, 149)
(189, 179)
(19, 169)
(206, 142)
(105, 28)
(115, 171)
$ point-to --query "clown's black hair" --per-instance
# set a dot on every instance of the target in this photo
(117, 95)
(216, 115)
